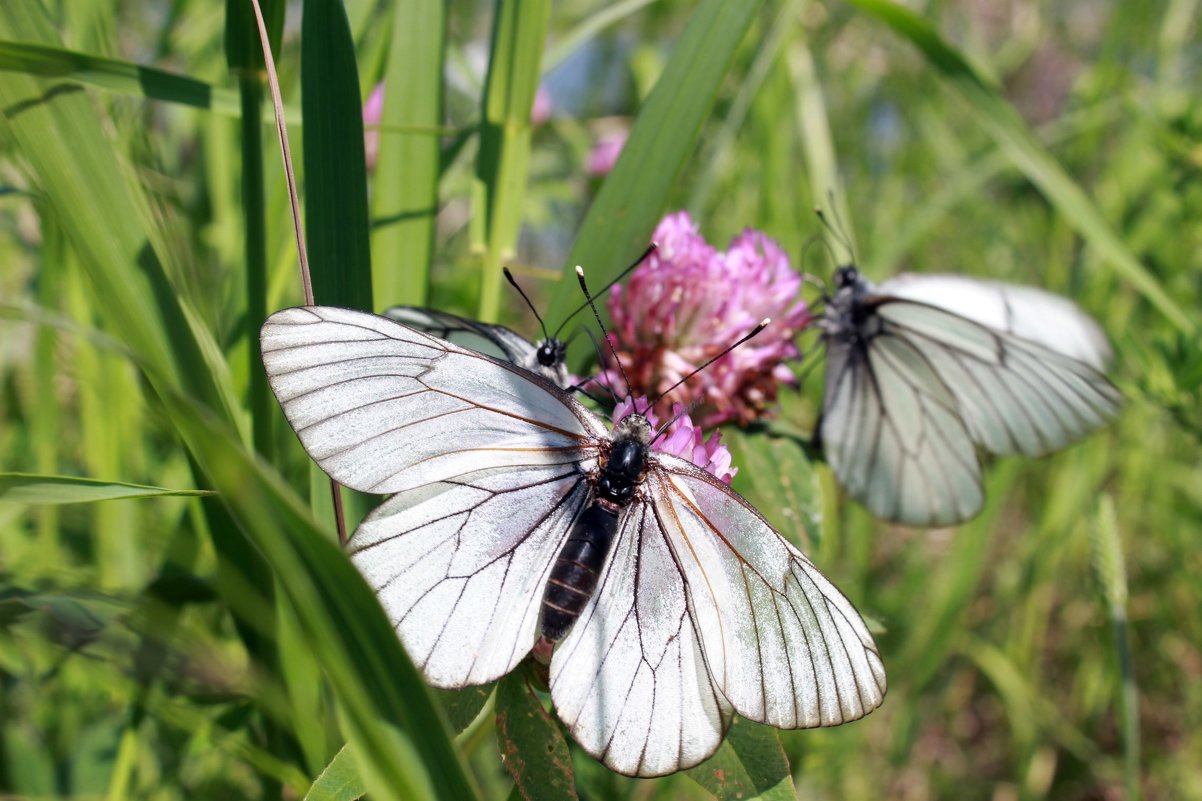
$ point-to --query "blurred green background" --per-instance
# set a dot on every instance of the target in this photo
(161, 645)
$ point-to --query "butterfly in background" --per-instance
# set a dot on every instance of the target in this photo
(547, 357)
(923, 369)
(519, 519)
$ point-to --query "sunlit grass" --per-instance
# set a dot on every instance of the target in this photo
(175, 647)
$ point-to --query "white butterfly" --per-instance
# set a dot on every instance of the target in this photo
(546, 357)
(519, 519)
(923, 368)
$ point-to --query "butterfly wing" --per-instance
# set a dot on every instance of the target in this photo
(892, 433)
(460, 566)
(1015, 395)
(1021, 311)
(904, 407)
(383, 408)
(705, 610)
(630, 680)
(492, 340)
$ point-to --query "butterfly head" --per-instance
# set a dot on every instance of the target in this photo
(551, 352)
(847, 277)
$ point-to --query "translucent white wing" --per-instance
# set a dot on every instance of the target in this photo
(491, 340)
(630, 680)
(1022, 311)
(1015, 395)
(704, 610)
(783, 645)
(460, 566)
(902, 411)
(891, 431)
(382, 407)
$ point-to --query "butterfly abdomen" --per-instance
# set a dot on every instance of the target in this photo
(577, 568)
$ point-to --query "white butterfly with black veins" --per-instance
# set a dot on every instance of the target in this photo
(518, 518)
(546, 357)
(922, 369)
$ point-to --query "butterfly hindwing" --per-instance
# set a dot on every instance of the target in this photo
(460, 566)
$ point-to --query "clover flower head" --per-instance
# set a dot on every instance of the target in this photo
(540, 112)
(683, 438)
(687, 303)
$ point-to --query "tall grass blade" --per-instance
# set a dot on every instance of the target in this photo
(661, 142)
(499, 189)
(405, 190)
(336, 218)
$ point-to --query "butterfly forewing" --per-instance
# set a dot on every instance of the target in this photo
(382, 407)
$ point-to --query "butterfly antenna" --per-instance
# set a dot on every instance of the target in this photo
(597, 315)
(513, 282)
(763, 324)
(838, 229)
(597, 378)
(650, 249)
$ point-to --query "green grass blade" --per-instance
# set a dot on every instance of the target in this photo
(34, 489)
(589, 28)
(383, 696)
(1000, 121)
(405, 190)
(664, 135)
(59, 134)
(114, 75)
(499, 189)
(336, 218)
(1111, 574)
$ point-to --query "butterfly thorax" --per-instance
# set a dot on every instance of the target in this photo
(850, 316)
(623, 467)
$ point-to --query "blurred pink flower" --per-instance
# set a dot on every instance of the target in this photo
(687, 303)
(373, 110)
(541, 112)
(605, 154)
(683, 438)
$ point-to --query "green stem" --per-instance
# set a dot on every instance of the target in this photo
(254, 207)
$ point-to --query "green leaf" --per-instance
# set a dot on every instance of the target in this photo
(463, 706)
(339, 781)
(777, 478)
(533, 748)
(399, 736)
(49, 61)
(405, 190)
(41, 489)
(499, 189)
(749, 764)
(336, 219)
(999, 120)
(634, 194)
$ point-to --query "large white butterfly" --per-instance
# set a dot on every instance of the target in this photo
(922, 369)
(518, 518)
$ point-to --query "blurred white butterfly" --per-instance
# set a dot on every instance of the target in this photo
(519, 519)
(922, 369)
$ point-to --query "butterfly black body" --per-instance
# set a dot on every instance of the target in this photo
(578, 565)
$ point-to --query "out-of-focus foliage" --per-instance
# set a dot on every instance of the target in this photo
(169, 647)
